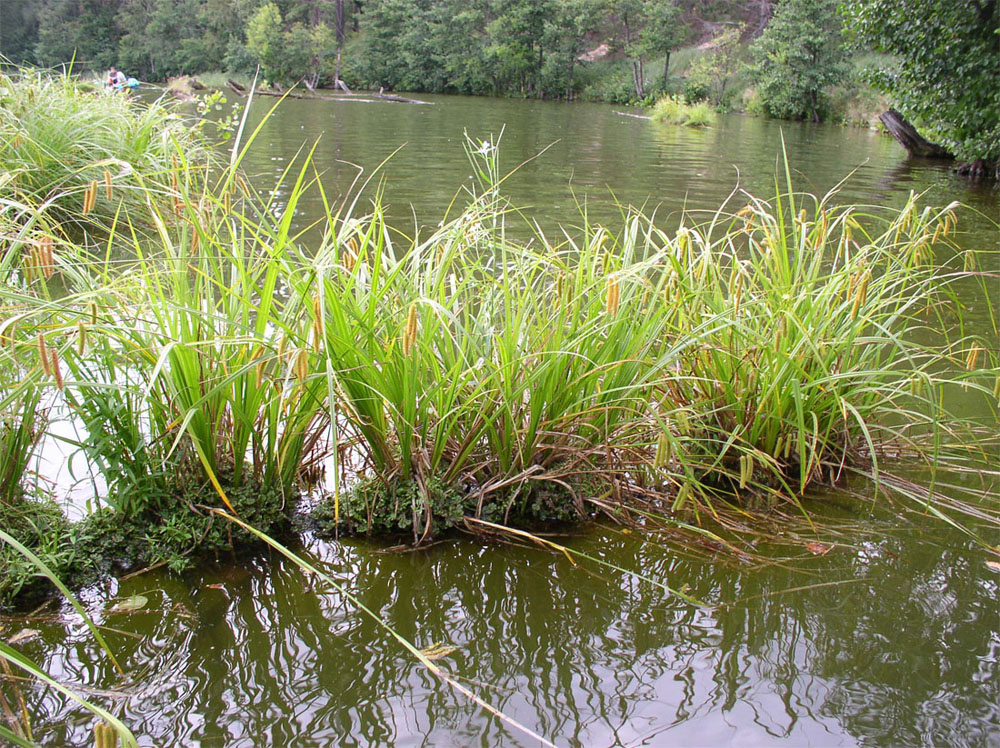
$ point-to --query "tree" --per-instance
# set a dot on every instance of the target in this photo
(163, 38)
(84, 30)
(265, 42)
(799, 55)
(650, 28)
(663, 32)
(18, 30)
(945, 78)
(712, 75)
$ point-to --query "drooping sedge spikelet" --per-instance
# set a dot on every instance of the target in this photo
(56, 372)
(302, 365)
(349, 255)
(682, 497)
(317, 323)
(46, 262)
(43, 355)
(93, 312)
(681, 419)
(746, 469)
(30, 263)
(662, 457)
(108, 192)
(614, 293)
(410, 335)
(81, 337)
(105, 736)
(90, 197)
(174, 183)
(282, 346)
(973, 358)
(860, 295)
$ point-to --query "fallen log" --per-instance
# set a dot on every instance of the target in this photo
(907, 136)
(315, 94)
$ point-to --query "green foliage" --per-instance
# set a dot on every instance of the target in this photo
(672, 110)
(19, 31)
(40, 525)
(714, 76)
(399, 507)
(81, 30)
(108, 540)
(945, 77)
(286, 55)
(264, 41)
(60, 141)
(798, 58)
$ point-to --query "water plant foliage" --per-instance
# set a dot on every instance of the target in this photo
(219, 356)
(739, 360)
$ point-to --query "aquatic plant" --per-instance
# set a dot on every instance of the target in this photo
(736, 361)
(76, 156)
(673, 110)
(17, 728)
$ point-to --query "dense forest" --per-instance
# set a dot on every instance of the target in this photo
(934, 60)
(531, 47)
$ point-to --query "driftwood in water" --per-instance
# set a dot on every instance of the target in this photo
(629, 114)
(917, 145)
(347, 96)
(905, 134)
(179, 94)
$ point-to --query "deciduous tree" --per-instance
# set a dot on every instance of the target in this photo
(798, 58)
(945, 78)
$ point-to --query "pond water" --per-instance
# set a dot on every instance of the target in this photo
(881, 631)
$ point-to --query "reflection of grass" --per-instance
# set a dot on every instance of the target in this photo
(675, 111)
(17, 727)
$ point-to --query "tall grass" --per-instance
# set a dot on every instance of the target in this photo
(675, 111)
(741, 359)
(76, 157)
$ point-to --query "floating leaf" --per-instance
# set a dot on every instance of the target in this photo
(130, 604)
(437, 650)
(24, 635)
(819, 549)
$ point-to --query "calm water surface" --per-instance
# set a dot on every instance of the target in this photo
(892, 637)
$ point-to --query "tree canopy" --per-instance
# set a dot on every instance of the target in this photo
(945, 74)
(798, 57)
